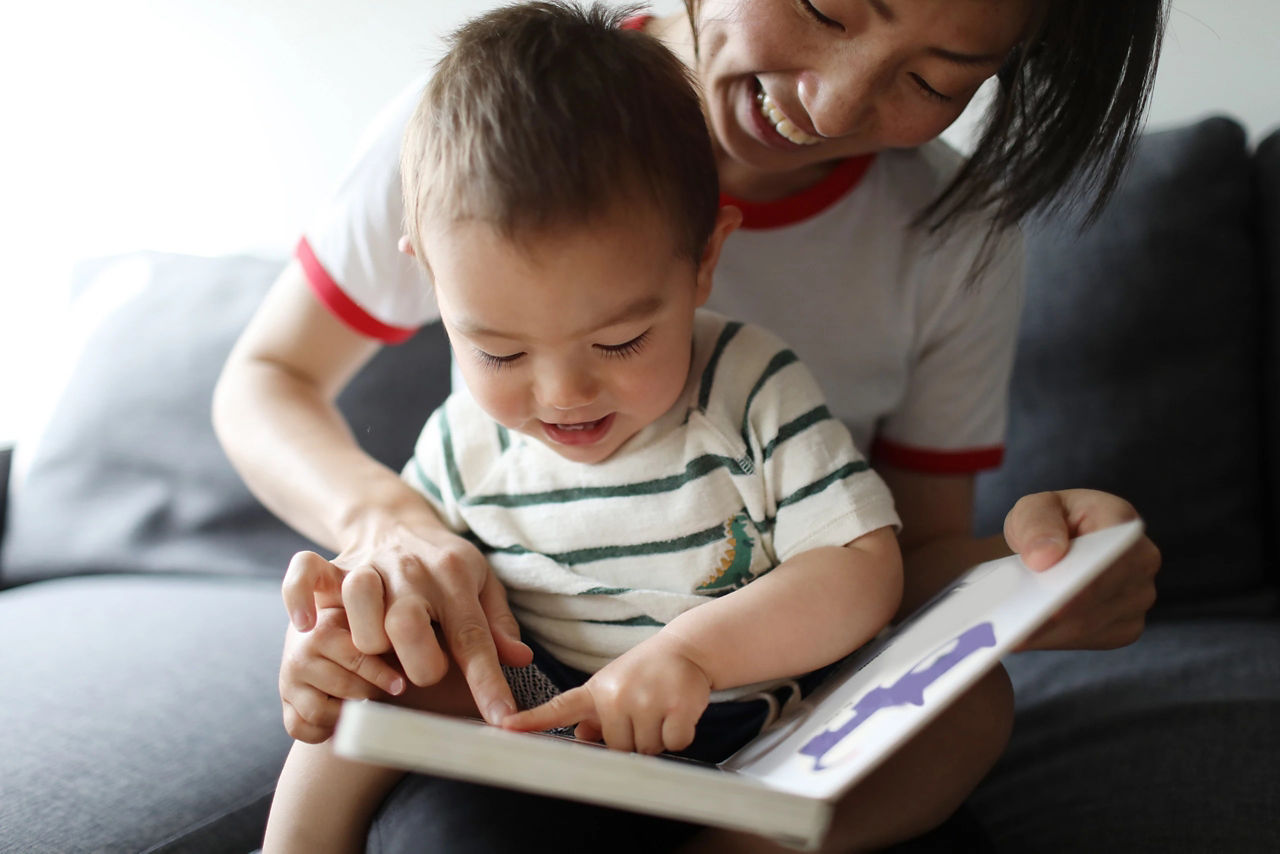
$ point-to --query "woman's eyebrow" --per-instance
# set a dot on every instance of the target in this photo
(889, 16)
(967, 58)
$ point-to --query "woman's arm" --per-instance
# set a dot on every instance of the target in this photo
(938, 545)
(397, 568)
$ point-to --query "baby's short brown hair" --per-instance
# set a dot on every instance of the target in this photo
(548, 114)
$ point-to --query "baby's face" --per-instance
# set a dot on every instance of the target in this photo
(578, 338)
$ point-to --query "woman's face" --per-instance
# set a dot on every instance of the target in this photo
(791, 84)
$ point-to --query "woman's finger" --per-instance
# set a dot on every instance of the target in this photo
(413, 637)
(364, 599)
(1037, 529)
(502, 624)
(308, 578)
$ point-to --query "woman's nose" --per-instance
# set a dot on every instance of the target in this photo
(841, 94)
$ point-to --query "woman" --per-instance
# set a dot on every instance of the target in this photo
(895, 275)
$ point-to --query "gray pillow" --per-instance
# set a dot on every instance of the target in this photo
(1139, 360)
(128, 476)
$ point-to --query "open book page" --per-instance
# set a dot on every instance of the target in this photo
(888, 692)
(784, 783)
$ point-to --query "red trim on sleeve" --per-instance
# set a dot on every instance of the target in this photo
(964, 461)
(343, 307)
(806, 203)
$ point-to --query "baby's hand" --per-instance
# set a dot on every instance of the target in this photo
(320, 668)
(647, 700)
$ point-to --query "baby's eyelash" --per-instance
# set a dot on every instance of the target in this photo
(493, 362)
(629, 348)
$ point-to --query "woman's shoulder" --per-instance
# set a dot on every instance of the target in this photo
(915, 176)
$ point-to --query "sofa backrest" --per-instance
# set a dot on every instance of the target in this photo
(1139, 368)
(127, 476)
(1267, 163)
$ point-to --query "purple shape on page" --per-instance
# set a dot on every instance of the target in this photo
(908, 690)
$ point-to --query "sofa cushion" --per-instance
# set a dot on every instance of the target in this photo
(127, 474)
(1138, 368)
(1166, 745)
(139, 713)
(1267, 161)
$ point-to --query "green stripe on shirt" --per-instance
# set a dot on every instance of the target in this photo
(425, 482)
(709, 373)
(846, 470)
(696, 468)
(645, 620)
(595, 553)
(779, 361)
(796, 426)
(450, 464)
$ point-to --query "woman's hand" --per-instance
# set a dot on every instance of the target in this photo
(320, 668)
(1111, 611)
(647, 700)
(393, 584)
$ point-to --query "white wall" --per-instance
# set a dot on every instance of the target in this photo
(1220, 56)
(214, 126)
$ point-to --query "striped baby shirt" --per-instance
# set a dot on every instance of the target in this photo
(747, 469)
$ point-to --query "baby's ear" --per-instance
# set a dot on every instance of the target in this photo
(727, 219)
(406, 246)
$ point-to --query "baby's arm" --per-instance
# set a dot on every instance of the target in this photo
(811, 610)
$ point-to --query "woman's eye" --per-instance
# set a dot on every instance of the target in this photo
(496, 362)
(818, 16)
(627, 348)
(927, 90)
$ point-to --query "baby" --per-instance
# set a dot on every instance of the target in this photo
(686, 534)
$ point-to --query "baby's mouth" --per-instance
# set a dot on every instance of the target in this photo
(578, 433)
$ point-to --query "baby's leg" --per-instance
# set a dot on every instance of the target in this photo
(917, 788)
(324, 803)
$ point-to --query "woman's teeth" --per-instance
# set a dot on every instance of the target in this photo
(781, 123)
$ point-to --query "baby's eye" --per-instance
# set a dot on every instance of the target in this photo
(495, 362)
(627, 348)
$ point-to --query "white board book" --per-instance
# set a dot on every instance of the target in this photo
(785, 782)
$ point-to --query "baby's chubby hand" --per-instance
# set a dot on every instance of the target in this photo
(647, 700)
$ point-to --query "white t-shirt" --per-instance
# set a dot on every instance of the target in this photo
(912, 356)
(746, 470)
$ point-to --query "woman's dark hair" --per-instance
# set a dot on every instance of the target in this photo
(1069, 105)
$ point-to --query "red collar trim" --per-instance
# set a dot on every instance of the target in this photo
(808, 202)
(636, 22)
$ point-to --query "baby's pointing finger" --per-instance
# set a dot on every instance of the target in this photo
(560, 711)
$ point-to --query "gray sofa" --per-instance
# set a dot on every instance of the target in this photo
(140, 620)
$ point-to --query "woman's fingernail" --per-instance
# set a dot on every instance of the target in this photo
(1047, 542)
(499, 710)
(397, 685)
(301, 621)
